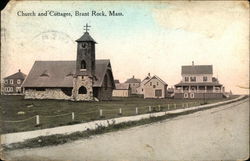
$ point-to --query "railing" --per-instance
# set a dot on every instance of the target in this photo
(198, 91)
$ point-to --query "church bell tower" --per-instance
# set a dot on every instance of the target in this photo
(85, 67)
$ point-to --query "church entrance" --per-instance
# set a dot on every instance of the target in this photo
(82, 90)
(95, 92)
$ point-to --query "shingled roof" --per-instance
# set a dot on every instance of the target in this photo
(197, 69)
(86, 37)
(133, 80)
(60, 73)
(18, 75)
(122, 86)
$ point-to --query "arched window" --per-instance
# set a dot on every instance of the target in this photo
(83, 64)
(105, 82)
(82, 90)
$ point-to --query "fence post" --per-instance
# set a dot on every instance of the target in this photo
(136, 111)
(149, 108)
(175, 106)
(120, 111)
(168, 106)
(159, 106)
(100, 112)
(187, 105)
(183, 106)
(37, 120)
(73, 116)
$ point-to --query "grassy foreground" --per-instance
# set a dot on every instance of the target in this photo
(61, 139)
(54, 113)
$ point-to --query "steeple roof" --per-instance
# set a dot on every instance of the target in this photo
(85, 37)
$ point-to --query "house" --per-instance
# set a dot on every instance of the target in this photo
(122, 90)
(140, 89)
(12, 83)
(134, 84)
(83, 79)
(155, 88)
(198, 82)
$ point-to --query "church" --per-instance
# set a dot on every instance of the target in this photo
(85, 79)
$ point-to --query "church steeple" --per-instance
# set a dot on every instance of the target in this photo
(85, 60)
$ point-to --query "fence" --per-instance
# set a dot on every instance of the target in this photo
(76, 117)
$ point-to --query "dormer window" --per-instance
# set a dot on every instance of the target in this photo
(83, 64)
(45, 74)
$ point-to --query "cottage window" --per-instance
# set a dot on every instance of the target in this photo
(142, 89)
(11, 81)
(83, 64)
(193, 79)
(6, 81)
(150, 83)
(82, 90)
(18, 89)
(11, 89)
(18, 81)
(157, 83)
(153, 86)
(186, 79)
(204, 79)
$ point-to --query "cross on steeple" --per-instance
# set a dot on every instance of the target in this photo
(86, 27)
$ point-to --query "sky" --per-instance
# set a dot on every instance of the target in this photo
(150, 37)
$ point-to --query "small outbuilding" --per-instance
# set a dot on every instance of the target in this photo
(122, 90)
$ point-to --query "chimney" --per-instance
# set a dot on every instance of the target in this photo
(133, 76)
(149, 74)
(19, 70)
(192, 63)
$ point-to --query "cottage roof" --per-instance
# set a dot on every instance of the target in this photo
(197, 69)
(86, 37)
(122, 86)
(18, 75)
(60, 73)
(133, 80)
(156, 77)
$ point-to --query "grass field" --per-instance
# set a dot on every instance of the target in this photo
(54, 113)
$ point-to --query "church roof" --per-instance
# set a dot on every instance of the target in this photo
(18, 75)
(197, 69)
(60, 73)
(85, 37)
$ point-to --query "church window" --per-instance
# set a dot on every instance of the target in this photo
(83, 64)
(82, 90)
(105, 82)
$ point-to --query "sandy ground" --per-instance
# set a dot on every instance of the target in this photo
(221, 133)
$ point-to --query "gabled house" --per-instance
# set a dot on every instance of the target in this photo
(134, 84)
(13, 83)
(122, 90)
(140, 89)
(155, 88)
(198, 82)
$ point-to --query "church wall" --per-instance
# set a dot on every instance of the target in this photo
(105, 94)
(48, 93)
(87, 83)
